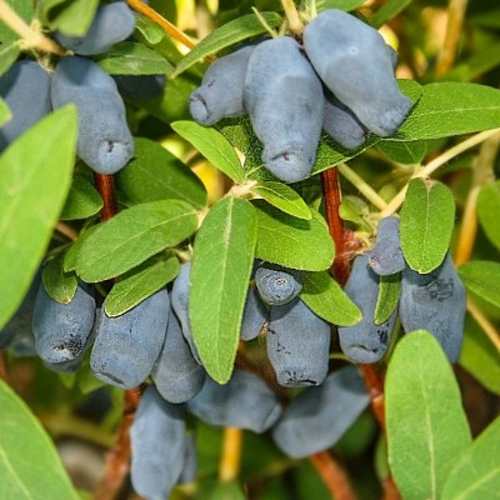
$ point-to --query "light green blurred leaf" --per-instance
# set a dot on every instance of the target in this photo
(284, 198)
(61, 286)
(477, 472)
(427, 221)
(8, 54)
(72, 18)
(152, 33)
(35, 176)
(326, 298)
(233, 32)
(346, 5)
(222, 264)
(132, 237)
(488, 208)
(213, 146)
(426, 425)
(404, 152)
(23, 8)
(140, 283)
(389, 9)
(83, 200)
(291, 242)
(30, 467)
(482, 277)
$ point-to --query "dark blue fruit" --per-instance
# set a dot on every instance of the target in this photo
(112, 23)
(127, 347)
(355, 63)
(365, 342)
(245, 402)
(26, 89)
(141, 88)
(177, 376)
(318, 417)
(386, 256)
(435, 302)
(298, 345)
(221, 92)
(158, 442)
(277, 286)
(104, 140)
(284, 99)
(255, 316)
(190, 466)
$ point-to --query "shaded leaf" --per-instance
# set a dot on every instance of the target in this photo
(326, 298)
(426, 425)
(61, 286)
(71, 257)
(488, 208)
(8, 55)
(482, 277)
(83, 200)
(404, 152)
(132, 236)
(284, 198)
(42, 156)
(222, 264)
(213, 146)
(389, 9)
(427, 221)
(291, 242)
(70, 18)
(346, 5)
(388, 297)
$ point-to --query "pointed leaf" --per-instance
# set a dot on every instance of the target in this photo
(284, 198)
(132, 236)
(61, 286)
(426, 425)
(213, 146)
(482, 277)
(35, 176)
(388, 297)
(83, 200)
(222, 264)
(427, 221)
(327, 299)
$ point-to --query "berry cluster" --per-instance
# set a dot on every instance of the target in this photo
(342, 80)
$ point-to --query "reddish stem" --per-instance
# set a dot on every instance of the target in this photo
(118, 459)
(3, 366)
(333, 475)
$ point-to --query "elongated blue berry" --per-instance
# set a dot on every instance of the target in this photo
(386, 256)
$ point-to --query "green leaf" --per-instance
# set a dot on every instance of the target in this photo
(389, 289)
(427, 221)
(229, 34)
(23, 8)
(83, 200)
(488, 208)
(35, 176)
(291, 242)
(477, 472)
(155, 174)
(426, 425)
(8, 55)
(324, 296)
(30, 467)
(488, 18)
(5, 113)
(227, 490)
(357, 211)
(132, 237)
(139, 284)
(213, 146)
(72, 18)
(151, 32)
(285, 198)
(61, 286)
(222, 264)
(132, 58)
(71, 257)
(451, 108)
(389, 9)
(346, 5)
(482, 277)
(407, 153)
(480, 357)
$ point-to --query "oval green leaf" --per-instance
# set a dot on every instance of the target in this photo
(488, 208)
(132, 237)
(284, 198)
(326, 298)
(213, 146)
(426, 425)
(83, 200)
(482, 277)
(30, 467)
(155, 174)
(427, 221)
(291, 242)
(139, 284)
(35, 176)
(222, 264)
(61, 286)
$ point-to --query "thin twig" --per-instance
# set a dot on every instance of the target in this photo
(264, 23)
(67, 231)
(229, 466)
(483, 174)
(484, 323)
(436, 163)
(105, 186)
(333, 475)
(362, 186)
(31, 39)
(3, 366)
(166, 25)
(294, 22)
(446, 58)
